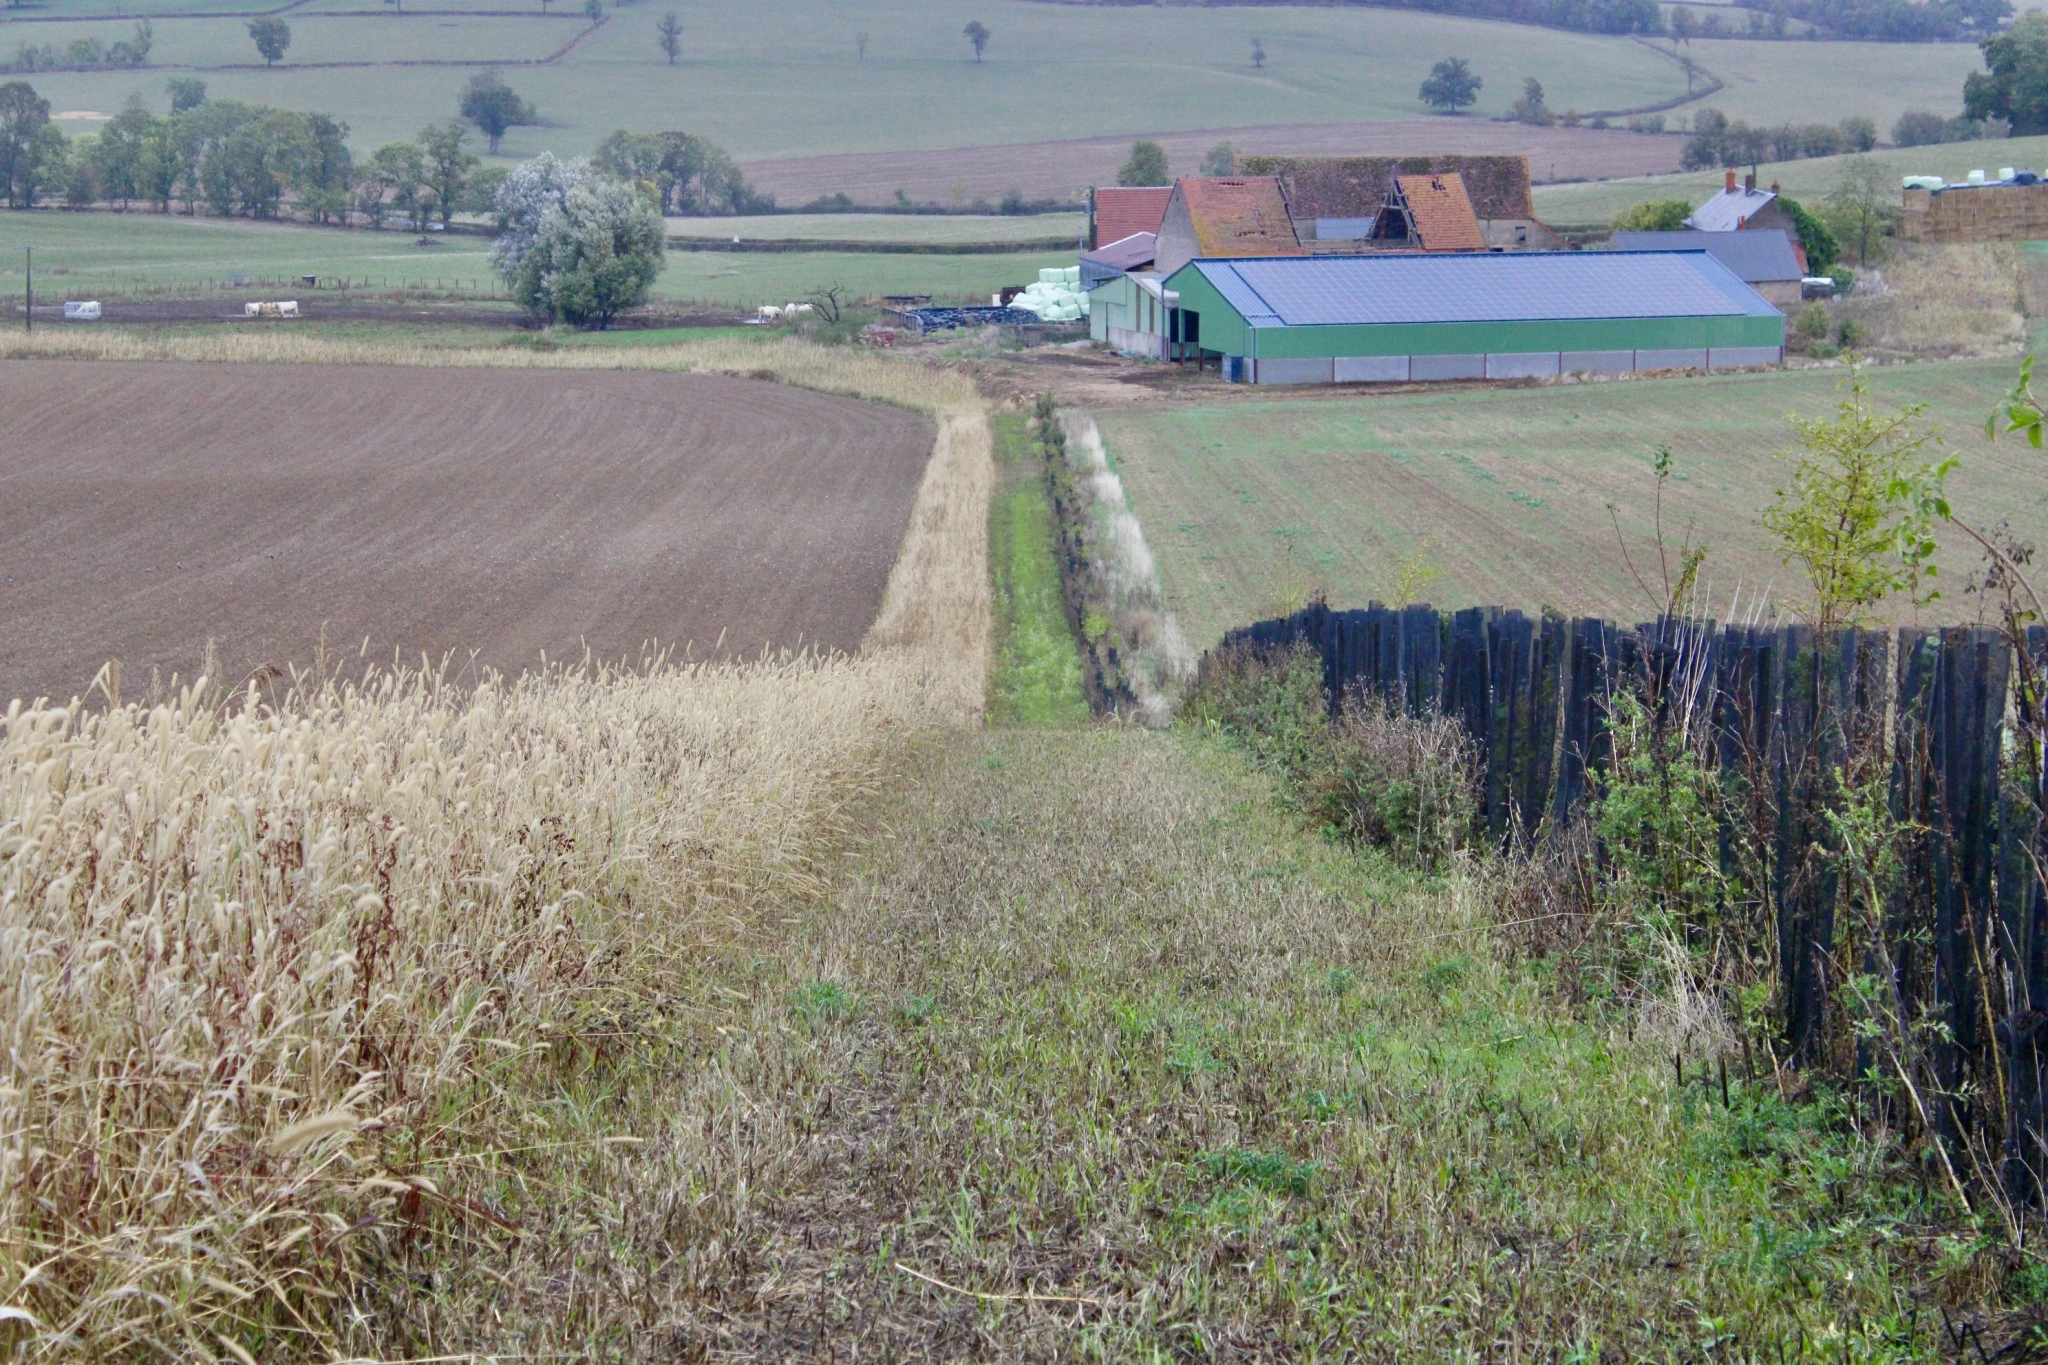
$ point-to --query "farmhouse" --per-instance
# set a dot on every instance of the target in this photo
(1743, 208)
(1399, 317)
(1768, 261)
(1427, 213)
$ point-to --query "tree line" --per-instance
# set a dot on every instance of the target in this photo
(1718, 140)
(90, 54)
(237, 160)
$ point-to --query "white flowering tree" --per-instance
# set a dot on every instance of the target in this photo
(592, 251)
(530, 189)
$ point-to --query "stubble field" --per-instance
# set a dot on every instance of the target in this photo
(431, 511)
(1501, 495)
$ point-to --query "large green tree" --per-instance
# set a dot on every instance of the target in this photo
(594, 253)
(1145, 166)
(447, 165)
(271, 36)
(1451, 86)
(29, 145)
(493, 107)
(2014, 85)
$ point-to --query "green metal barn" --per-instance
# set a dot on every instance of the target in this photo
(1397, 318)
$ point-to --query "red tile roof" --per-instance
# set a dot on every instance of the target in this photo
(1120, 211)
(1443, 214)
(1240, 216)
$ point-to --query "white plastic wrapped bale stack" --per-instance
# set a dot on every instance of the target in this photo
(1057, 296)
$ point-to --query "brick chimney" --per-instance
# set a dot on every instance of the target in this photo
(1749, 182)
(1731, 181)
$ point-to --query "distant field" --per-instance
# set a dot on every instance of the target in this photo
(920, 229)
(1056, 170)
(130, 255)
(1504, 492)
(1568, 205)
(781, 78)
(745, 278)
(124, 254)
(1802, 82)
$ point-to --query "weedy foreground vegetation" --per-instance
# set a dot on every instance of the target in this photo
(294, 972)
(782, 1011)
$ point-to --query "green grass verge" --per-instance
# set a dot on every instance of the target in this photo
(1037, 679)
(1502, 495)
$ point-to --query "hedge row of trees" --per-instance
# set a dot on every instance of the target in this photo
(1718, 140)
(240, 160)
(687, 174)
(87, 53)
(1900, 21)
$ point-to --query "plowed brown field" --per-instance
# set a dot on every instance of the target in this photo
(146, 509)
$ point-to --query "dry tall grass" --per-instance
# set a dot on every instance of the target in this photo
(282, 976)
(1941, 302)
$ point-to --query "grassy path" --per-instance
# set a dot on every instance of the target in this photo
(1096, 1054)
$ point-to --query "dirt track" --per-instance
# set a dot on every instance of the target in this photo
(145, 509)
(1051, 170)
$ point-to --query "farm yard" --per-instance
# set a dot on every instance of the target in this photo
(416, 512)
(1500, 495)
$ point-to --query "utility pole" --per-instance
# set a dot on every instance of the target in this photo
(28, 314)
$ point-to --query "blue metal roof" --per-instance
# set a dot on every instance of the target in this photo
(1755, 255)
(1537, 286)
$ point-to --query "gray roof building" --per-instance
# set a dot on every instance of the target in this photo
(1760, 257)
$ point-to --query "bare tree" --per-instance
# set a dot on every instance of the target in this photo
(830, 300)
(1258, 53)
(670, 33)
(860, 42)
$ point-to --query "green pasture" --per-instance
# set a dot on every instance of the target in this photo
(140, 255)
(783, 78)
(1598, 202)
(933, 229)
(744, 279)
(1502, 495)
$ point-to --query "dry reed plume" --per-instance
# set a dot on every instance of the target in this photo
(281, 973)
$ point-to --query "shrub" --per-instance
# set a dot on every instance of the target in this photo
(1406, 785)
(1813, 321)
(1656, 215)
(1918, 128)
(1851, 334)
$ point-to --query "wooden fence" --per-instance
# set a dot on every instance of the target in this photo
(1947, 726)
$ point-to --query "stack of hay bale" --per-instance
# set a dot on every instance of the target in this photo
(1057, 296)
